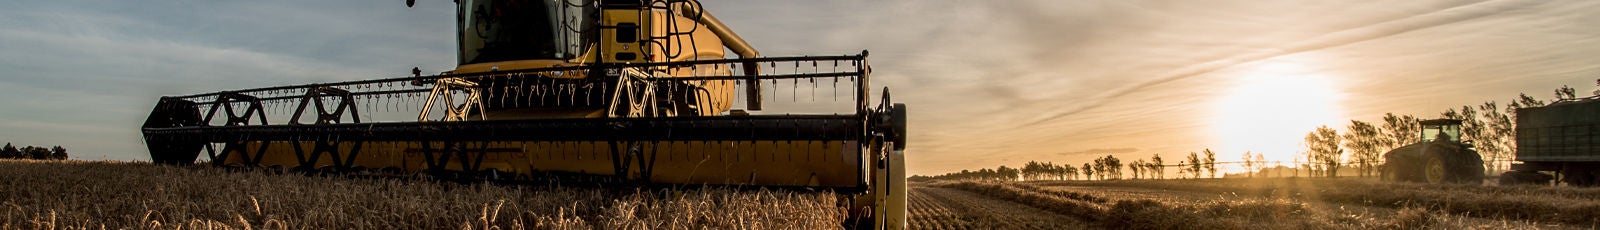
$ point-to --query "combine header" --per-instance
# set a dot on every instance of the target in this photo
(635, 92)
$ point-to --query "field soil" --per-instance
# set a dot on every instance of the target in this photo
(1272, 203)
(945, 208)
(1366, 212)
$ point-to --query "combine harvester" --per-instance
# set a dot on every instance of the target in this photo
(629, 92)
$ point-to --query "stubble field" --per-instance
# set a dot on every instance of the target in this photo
(119, 195)
(1275, 203)
(116, 195)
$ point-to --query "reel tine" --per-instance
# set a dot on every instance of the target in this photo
(489, 90)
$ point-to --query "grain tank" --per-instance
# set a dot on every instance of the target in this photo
(1560, 140)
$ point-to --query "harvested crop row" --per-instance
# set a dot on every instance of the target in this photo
(976, 211)
(1544, 204)
(1150, 214)
(926, 213)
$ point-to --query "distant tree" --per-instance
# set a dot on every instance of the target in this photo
(1136, 167)
(1183, 169)
(1495, 136)
(1088, 171)
(1043, 172)
(1211, 163)
(1524, 101)
(1402, 130)
(1194, 165)
(1031, 170)
(1597, 88)
(58, 153)
(36, 153)
(1007, 174)
(1249, 165)
(1323, 144)
(1471, 124)
(1154, 170)
(1113, 165)
(1102, 169)
(10, 152)
(1365, 142)
(1161, 170)
(1261, 162)
(1298, 165)
(1071, 172)
(1566, 93)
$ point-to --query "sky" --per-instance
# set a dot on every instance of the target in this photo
(988, 83)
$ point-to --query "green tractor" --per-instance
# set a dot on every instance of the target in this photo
(1441, 157)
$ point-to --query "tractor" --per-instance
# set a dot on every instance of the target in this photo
(1440, 157)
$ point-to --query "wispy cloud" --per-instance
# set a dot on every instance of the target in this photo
(1100, 151)
(84, 77)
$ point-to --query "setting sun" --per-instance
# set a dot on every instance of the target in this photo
(1271, 109)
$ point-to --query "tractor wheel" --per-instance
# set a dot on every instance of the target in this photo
(1469, 168)
(1391, 173)
(1434, 170)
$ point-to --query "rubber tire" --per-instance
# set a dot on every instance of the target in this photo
(1387, 174)
(898, 114)
(1435, 169)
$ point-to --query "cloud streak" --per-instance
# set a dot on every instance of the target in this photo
(1335, 39)
(1100, 151)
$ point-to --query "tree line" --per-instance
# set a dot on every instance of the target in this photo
(1488, 126)
(33, 152)
(1103, 168)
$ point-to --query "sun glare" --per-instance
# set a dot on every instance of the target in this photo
(1269, 111)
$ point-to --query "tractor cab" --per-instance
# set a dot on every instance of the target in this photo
(1447, 129)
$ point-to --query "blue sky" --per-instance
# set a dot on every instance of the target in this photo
(989, 83)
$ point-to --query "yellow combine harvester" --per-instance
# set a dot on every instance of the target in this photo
(636, 92)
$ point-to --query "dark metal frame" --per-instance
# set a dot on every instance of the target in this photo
(625, 135)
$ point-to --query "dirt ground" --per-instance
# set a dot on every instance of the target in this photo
(1336, 208)
(944, 208)
(935, 207)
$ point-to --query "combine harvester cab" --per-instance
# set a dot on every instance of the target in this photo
(630, 92)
